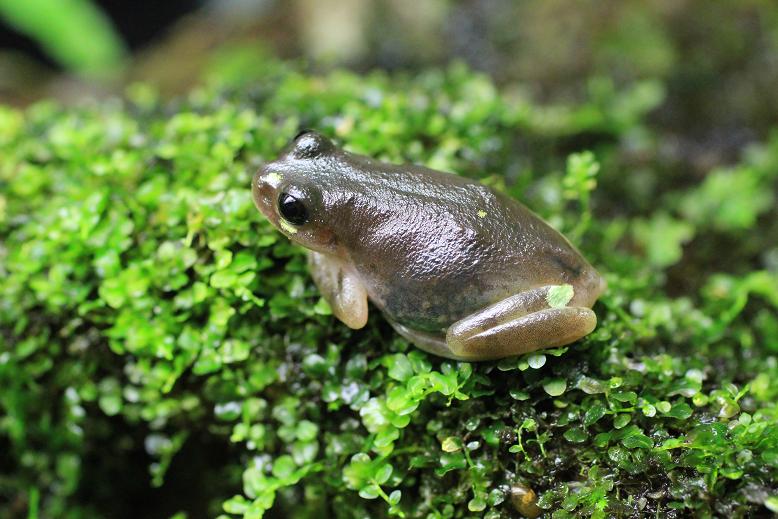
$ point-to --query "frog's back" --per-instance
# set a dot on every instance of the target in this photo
(433, 247)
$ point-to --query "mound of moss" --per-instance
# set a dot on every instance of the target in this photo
(163, 351)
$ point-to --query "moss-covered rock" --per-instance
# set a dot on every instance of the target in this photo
(156, 332)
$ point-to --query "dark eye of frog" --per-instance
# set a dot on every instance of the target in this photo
(292, 209)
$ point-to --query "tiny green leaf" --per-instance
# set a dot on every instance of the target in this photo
(575, 435)
(640, 441)
(559, 295)
(451, 444)
(283, 466)
(537, 360)
(555, 387)
(594, 413)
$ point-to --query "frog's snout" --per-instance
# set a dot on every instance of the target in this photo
(263, 190)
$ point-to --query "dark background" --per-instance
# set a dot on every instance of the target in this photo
(139, 22)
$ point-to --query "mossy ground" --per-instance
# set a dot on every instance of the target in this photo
(157, 332)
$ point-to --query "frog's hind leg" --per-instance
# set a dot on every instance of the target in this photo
(435, 344)
(519, 324)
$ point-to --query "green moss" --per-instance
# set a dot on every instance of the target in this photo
(150, 317)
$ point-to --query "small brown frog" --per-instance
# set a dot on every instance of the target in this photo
(458, 269)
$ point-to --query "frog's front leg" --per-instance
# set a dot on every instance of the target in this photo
(519, 324)
(341, 288)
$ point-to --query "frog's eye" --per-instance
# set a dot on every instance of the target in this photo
(292, 209)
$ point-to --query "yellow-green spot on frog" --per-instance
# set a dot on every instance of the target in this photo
(286, 226)
(463, 284)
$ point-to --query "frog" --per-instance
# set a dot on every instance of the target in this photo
(459, 269)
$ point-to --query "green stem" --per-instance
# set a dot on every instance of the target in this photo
(385, 496)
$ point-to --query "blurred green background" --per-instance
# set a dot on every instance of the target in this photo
(163, 353)
(716, 61)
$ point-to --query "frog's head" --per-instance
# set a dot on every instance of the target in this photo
(292, 192)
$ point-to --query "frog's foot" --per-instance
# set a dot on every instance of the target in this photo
(519, 324)
(341, 288)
